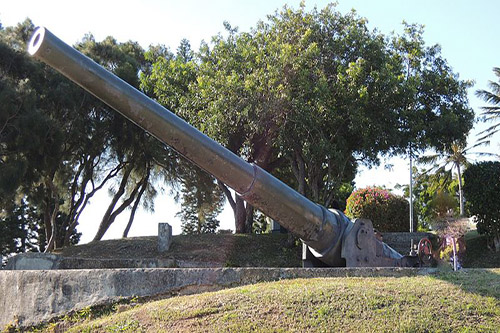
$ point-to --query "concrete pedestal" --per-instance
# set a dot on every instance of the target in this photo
(164, 237)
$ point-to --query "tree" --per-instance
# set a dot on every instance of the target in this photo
(309, 96)
(491, 113)
(428, 185)
(140, 159)
(454, 156)
(201, 202)
(18, 231)
(59, 145)
(50, 136)
(432, 100)
(482, 185)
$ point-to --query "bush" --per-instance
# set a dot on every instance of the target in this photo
(388, 212)
(481, 190)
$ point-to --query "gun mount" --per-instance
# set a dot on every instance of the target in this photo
(330, 238)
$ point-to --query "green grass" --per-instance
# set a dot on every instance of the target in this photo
(467, 301)
(241, 250)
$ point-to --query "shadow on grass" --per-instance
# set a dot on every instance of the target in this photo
(480, 281)
(481, 273)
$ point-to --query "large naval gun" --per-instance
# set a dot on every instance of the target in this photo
(329, 237)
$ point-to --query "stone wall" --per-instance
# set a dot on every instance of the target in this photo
(401, 241)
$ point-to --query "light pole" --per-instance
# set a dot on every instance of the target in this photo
(411, 192)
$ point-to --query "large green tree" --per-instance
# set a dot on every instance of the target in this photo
(482, 185)
(168, 79)
(310, 95)
(143, 162)
(51, 140)
(59, 145)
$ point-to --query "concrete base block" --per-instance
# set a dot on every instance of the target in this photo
(164, 237)
(33, 260)
(47, 261)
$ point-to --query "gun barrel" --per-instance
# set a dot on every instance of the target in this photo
(309, 221)
(330, 236)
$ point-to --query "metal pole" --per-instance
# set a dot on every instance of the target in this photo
(411, 192)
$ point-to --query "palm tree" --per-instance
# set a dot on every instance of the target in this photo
(491, 113)
(454, 156)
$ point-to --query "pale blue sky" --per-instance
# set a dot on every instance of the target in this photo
(466, 30)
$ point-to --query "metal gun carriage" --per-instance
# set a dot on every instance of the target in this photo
(330, 238)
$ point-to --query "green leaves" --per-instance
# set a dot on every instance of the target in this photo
(482, 185)
(491, 113)
(388, 212)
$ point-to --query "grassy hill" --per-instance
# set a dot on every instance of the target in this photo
(249, 250)
(217, 250)
(468, 301)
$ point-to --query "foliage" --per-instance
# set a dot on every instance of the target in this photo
(435, 111)
(49, 142)
(309, 95)
(454, 156)
(427, 186)
(59, 145)
(482, 185)
(491, 113)
(442, 205)
(18, 232)
(477, 255)
(202, 201)
(261, 224)
(388, 212)
(447, 252)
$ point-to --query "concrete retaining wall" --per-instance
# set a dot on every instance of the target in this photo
(41, 261)
(31, 297)
(401, 241)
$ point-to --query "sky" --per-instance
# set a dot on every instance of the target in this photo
(466, 31)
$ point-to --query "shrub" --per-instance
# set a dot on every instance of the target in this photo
(481, 190)
(388, 212)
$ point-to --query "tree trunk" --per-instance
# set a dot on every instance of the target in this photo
(299, 171)
(105, 222)
(134, 207)
(249, 211)
(80, 205)
(240, 215)
(52, 241)
(47, 223)
(238, 206)
(460, 191)
(496, 243)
